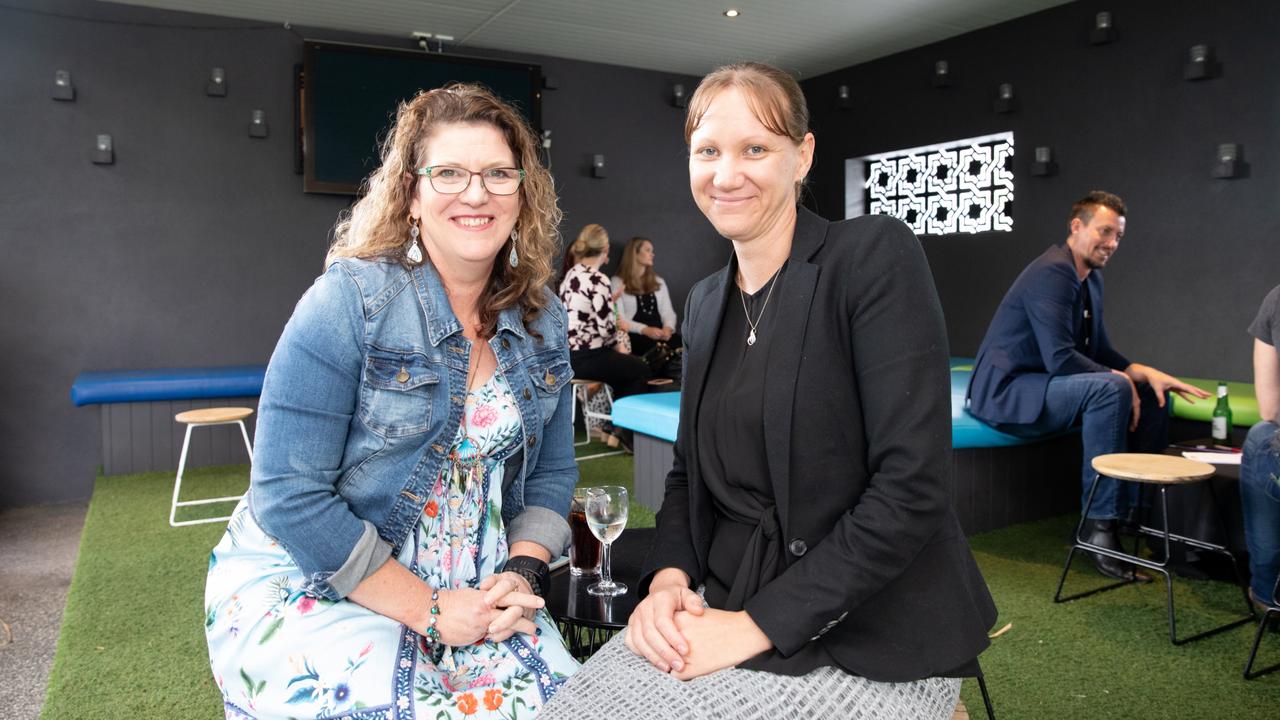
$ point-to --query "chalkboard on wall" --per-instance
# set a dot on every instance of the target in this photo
(350, 93)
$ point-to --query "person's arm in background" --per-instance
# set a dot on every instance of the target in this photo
(626, 310)
(665, 310)
(1266, 379)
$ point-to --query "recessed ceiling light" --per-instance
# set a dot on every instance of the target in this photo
(731, 13)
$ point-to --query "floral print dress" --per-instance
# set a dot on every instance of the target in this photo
(277, 652)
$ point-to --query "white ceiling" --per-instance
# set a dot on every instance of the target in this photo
(810, 37)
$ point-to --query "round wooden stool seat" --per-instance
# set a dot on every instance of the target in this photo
(213, 415)
(1152, 468)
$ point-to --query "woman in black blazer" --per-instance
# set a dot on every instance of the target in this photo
(810, 498)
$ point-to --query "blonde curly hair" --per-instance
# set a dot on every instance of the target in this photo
(377, 225)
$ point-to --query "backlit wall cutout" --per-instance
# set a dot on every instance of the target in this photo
(965, 186)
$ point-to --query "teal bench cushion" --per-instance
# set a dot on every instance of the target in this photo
(654, 414)
(658, 415)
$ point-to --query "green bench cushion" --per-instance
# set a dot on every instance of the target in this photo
(1243, 400)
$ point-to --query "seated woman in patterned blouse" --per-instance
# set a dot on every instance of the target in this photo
(594, 350)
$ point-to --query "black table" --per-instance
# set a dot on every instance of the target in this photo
(588, 621)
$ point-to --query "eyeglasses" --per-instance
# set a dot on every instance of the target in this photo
(451, 180)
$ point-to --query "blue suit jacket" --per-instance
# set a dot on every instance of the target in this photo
(1038, 333)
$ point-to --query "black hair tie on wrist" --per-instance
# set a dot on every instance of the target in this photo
(531, 569)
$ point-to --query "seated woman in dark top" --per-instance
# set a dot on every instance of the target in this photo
(644, 305)
(810, 496)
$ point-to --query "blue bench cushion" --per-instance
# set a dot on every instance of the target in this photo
(654, 414)
(968, 431)
(658, 415)
(92, 388)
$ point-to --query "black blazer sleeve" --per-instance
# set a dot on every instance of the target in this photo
(899, 350)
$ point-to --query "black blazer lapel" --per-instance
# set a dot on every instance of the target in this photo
(700, 336)
(786, 351)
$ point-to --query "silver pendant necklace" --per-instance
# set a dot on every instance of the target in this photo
(751, 336)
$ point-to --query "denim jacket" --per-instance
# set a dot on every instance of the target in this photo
(362, 398)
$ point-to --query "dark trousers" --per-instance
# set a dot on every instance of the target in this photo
(626, 374)
(1101, 404)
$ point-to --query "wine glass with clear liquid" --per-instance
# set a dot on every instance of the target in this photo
(607, 518)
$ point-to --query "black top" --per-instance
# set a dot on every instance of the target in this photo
(746, 548)
(647, 310)
(647, 314)
(1084, 329)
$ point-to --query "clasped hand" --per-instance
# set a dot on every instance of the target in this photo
(502, 606)
(674, 630)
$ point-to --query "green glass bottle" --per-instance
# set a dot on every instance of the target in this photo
(1222, 417)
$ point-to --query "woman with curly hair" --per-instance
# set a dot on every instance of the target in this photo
(414, 457)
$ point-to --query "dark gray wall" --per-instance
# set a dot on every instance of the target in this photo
(1199, 254)
(193, 248)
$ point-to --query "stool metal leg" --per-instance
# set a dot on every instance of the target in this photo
(244, 433)
(986, 698)
(1170, 537)
(1080, 544)
(182, 464)
(1249, 672)
(1226, 540)
(177, 481)
(1161, 567)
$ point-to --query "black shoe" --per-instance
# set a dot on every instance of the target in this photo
(1258, 603)
(623, 438)
(1103, 534)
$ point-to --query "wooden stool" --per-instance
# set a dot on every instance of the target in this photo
(206, 417)
(1161, 472)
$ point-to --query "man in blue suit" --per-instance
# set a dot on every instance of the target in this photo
(1047, 364)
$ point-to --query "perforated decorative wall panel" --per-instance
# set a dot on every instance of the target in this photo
(965, 186)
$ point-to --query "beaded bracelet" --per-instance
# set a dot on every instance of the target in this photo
(433, 635)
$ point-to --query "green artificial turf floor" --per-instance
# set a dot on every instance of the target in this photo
(132, 643)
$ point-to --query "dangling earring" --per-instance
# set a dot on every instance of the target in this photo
(513, 259)
(412, 250)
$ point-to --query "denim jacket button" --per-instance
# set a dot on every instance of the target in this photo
(532, 439)
(506, 344)
(437, 447)
(551, 379)
(402, 376)
(527, 395)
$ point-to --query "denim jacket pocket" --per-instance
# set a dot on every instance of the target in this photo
(549, 378)
(395, 396)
